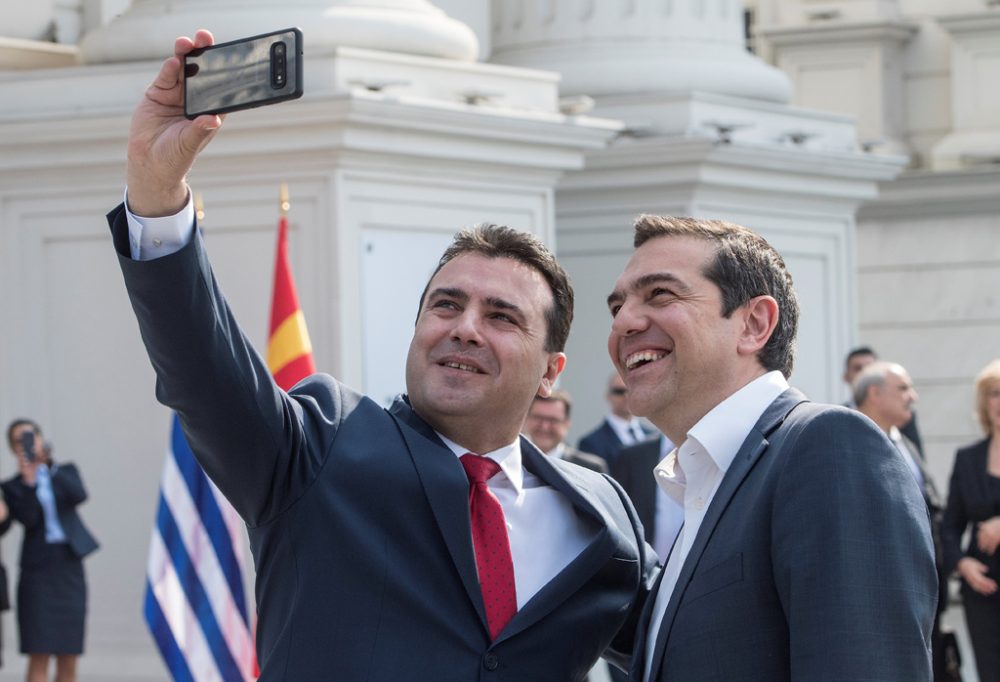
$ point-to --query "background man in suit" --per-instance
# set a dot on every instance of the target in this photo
(857, 360)
(661, 516)
(400, 543)
(805, 552)
(548, 423)
(884, 393)
(618, 429)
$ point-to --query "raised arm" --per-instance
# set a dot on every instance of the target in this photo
(259, 445)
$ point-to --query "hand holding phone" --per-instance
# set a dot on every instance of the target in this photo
(162, 143)
(242, 74)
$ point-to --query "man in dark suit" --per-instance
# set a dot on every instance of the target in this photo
(618, 429)
(806, 551)
(371, 565)
(548, 423)
(661, 516)
(883, 392)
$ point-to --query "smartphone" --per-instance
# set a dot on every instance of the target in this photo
(243, 74)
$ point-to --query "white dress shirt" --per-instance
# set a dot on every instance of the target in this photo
(151, 238)
(691, 475)
(669, 512)
(545, 532)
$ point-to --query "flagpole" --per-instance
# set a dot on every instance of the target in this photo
(199, 207)
(284, 204)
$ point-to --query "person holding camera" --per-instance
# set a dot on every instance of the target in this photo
(51, 589)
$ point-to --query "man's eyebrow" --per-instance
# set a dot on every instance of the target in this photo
(660, 277)
(448, 292)
(617, 296)
(502, 304)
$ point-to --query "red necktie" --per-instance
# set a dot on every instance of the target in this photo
(489, 538)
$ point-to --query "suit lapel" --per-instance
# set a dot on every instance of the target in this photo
(750, 451)
(587, 563)
(446, 486)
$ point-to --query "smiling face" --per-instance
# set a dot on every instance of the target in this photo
(678, 355)
(478, 357)
(547, 424)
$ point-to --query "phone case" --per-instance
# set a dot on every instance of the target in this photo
(243, 74)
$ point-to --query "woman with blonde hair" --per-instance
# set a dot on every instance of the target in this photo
(974, 503)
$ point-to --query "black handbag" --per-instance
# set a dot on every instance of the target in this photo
(947, 658)
(4, 593)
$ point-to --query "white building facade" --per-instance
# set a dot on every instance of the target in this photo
(862, 139)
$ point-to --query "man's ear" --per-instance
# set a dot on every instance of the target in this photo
(554, 366)
(760, 317)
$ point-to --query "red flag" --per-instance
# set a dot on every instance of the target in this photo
(289, 352)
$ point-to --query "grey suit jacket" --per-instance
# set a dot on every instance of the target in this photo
(358, 516)
(814, 561)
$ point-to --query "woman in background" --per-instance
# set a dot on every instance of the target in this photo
(974, 500)
(51, 589)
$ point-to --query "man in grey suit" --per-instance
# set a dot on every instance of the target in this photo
(883, 392)
(806, 551)
(390, 544)
(548, 423)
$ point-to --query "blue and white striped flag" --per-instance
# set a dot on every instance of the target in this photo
(196, 605)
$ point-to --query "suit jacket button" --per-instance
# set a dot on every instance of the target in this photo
(491, 661)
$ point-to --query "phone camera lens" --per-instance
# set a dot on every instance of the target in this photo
(279, 68)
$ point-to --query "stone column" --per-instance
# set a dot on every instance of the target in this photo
(26, 20)
(406, 26)
(26, 32)
(974, 141)
(847, 56)
(614, 47)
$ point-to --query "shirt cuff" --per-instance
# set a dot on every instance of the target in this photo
(151, 238)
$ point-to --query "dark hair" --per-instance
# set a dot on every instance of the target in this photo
(21, 421)
(745, 266)
(860, 350)
(557, 396)
(499, 241)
